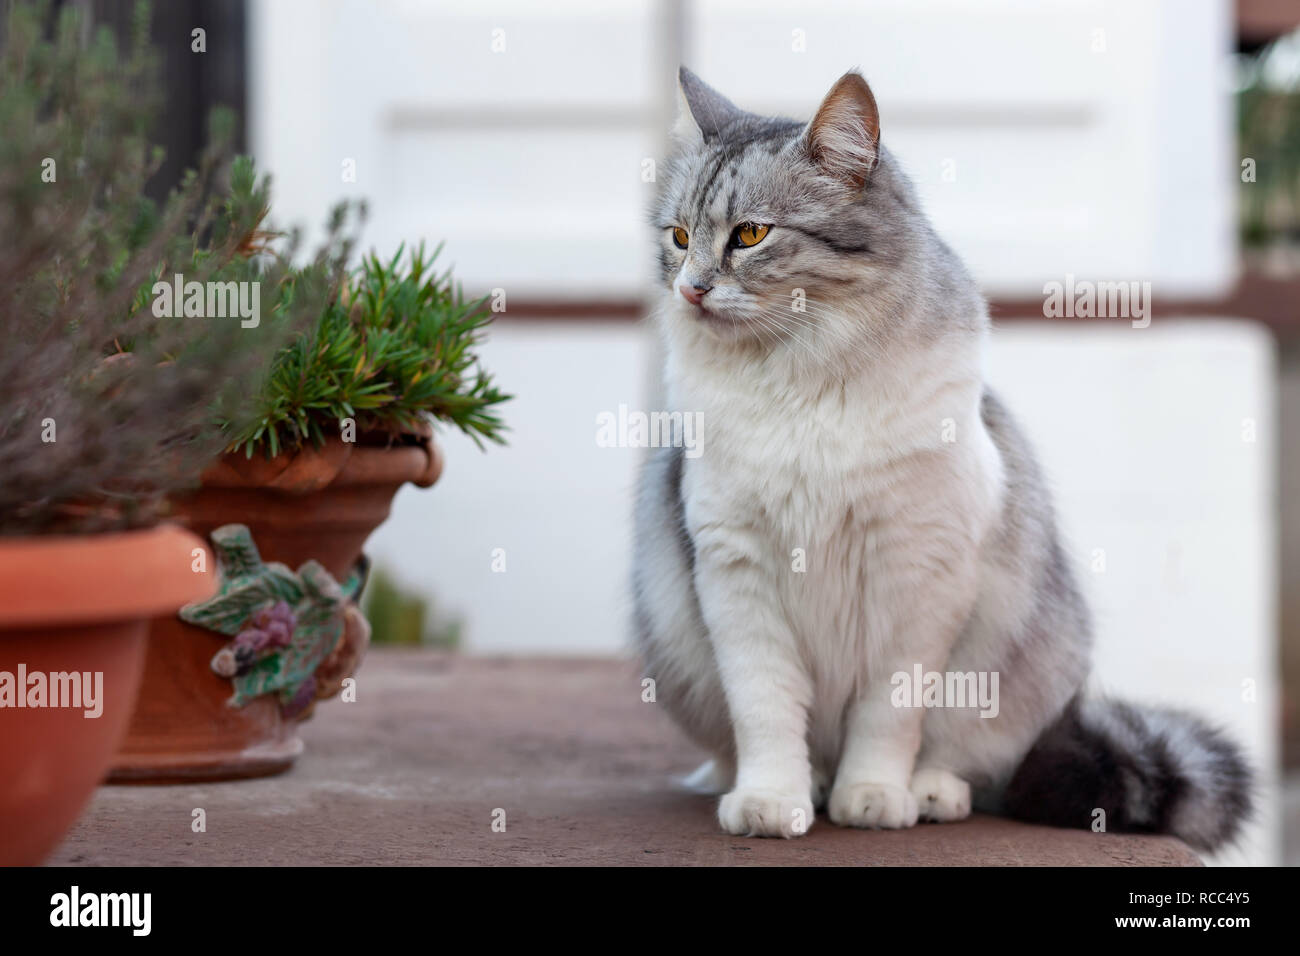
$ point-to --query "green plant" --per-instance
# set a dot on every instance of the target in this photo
(106, 406)
(1268, 131)
(399, 616)
(396, 347)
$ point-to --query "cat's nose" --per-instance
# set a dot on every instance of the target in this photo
(693, 294)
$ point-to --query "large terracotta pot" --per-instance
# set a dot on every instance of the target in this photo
(317, 505)
(76, 603)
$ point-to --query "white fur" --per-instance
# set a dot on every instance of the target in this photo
(855, 472)
(940, 796)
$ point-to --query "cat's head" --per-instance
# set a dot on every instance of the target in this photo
(769, 229)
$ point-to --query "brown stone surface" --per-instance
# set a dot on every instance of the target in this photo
(412, 772)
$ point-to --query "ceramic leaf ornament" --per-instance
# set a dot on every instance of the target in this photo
(284, 624)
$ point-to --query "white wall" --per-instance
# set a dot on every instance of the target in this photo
(553, 500)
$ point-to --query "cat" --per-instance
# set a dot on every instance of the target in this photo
(864, 506)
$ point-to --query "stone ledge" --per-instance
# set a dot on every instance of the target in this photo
(411, 773)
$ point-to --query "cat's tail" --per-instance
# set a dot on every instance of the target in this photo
(1150, 769)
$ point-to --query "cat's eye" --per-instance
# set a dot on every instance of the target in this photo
(680, 237)
(749, 234)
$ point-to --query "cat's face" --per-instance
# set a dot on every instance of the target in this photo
(766, 225)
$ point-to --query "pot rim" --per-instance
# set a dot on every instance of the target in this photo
(336, 463)
(57, 580)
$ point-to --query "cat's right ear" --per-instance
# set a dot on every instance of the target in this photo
(844, 137)
(702, 112)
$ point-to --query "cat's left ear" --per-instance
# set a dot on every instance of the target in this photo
(702, 112)
(844, 137)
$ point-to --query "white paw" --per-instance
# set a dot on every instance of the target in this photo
(873, 805)
(768, 813)
(940, 795)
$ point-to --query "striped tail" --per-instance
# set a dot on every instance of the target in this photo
(1150, 769)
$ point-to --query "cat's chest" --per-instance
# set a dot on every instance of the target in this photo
(798, 463)
(811, 459)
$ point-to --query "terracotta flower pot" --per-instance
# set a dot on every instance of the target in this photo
(314, 505)
(75, 603)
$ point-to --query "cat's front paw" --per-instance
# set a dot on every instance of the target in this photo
(765, 813)
(940, 795)
(872, 805)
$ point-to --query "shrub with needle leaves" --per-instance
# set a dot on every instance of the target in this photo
(396, 348)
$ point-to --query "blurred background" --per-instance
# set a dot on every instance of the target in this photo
(1136, 140)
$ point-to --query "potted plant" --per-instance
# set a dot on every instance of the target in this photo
(93, 437)
(313, 461)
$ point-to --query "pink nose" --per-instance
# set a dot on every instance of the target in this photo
(693, 294)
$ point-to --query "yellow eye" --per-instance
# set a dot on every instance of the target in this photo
(750, 234)
(680, 237)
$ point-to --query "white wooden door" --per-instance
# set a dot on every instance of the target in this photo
(1084, 137)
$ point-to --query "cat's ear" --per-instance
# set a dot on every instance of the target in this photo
(702, 112)
(844, 137)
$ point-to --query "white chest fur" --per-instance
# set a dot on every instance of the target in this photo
(823, 487)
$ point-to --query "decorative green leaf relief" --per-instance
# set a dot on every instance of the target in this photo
(284, 624)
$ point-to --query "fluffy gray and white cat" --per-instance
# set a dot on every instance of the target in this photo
(865, 505)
